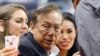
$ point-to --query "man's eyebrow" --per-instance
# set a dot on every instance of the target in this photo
(50, 23)
(57, 24)
(46, 22)
(20, 18)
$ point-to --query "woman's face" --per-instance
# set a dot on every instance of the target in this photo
(18, 23)
(68, 35)
(1, 26)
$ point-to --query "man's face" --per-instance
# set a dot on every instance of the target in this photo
(47, 29)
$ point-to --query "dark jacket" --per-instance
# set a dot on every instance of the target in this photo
(29, 47)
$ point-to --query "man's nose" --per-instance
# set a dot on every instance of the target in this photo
(51, 32)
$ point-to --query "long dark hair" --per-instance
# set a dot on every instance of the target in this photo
(70, 17)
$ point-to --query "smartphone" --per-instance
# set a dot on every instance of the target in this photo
(12, 41)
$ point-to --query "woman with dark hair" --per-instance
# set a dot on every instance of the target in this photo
(67, 43)
(14, 18)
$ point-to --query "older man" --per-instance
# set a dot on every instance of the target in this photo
(46, 28)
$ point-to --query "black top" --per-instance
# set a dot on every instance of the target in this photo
(29, 47)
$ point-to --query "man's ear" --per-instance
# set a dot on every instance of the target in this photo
(31, 25)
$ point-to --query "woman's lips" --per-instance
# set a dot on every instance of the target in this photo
(64, 43)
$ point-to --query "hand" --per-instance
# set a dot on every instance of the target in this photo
(76, 54)
(9, 52)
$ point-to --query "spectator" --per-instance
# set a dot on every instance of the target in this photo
(67, 43)
(46, 28)
(15, 19)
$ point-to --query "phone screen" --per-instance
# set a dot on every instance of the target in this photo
(11, 41)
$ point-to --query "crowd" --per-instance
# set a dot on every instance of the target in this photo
(50, 29)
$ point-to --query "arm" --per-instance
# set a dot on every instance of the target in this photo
(9, 52)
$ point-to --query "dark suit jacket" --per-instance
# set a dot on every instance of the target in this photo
(29, 47)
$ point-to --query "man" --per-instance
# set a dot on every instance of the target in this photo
(88, 22)
(46, 29)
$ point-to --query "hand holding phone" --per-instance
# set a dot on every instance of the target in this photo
(12, 41)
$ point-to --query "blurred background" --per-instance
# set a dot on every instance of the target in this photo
(64, 5)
